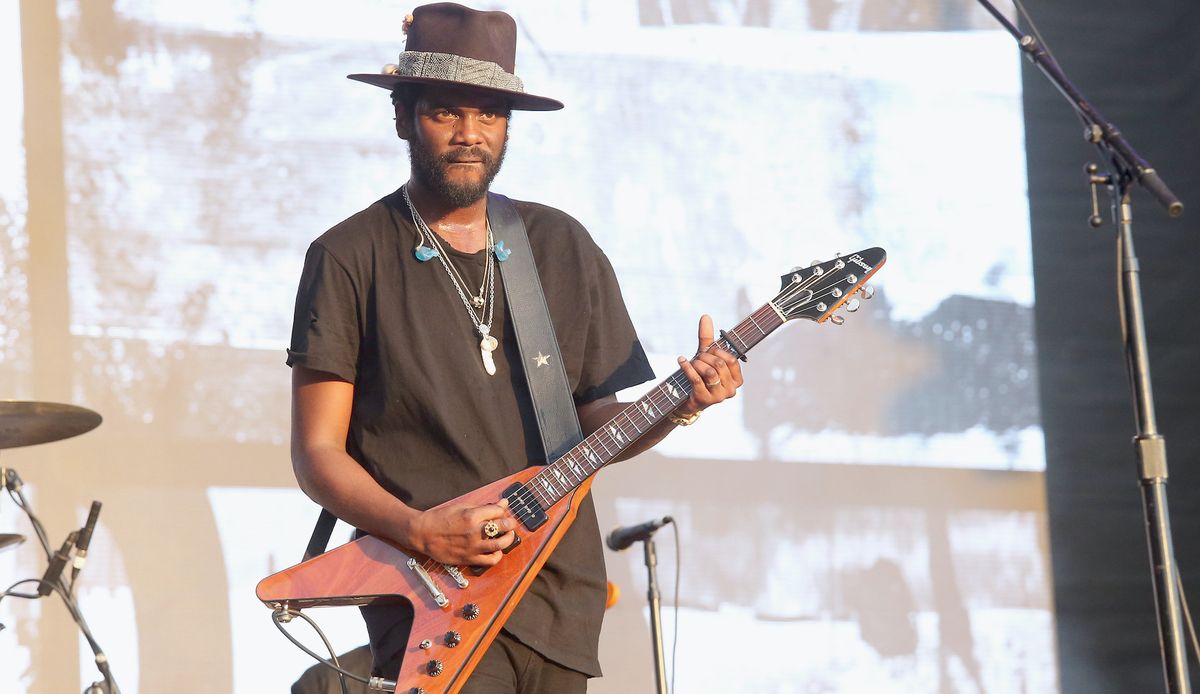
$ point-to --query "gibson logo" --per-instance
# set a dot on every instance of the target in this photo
(857, 260)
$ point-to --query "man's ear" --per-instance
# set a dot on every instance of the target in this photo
(404, 124)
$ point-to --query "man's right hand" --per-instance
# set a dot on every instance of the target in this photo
(455, 534)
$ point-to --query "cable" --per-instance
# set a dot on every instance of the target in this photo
(1033, 28)
(73, 610)
(18, 497)
(277, 618)
(1187, 614)
(28, 596)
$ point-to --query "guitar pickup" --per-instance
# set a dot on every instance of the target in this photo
(524, 505)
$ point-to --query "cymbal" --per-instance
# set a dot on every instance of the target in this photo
(8, 539)
(29, 423)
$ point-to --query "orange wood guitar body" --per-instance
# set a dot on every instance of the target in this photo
(370, 570)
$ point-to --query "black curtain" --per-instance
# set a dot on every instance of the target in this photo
(1139, 64)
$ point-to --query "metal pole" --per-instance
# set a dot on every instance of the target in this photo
(1151, 452)
(660, 667)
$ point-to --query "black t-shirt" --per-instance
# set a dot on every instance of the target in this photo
(428, 422)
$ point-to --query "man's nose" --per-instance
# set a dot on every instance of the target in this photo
(467, 130)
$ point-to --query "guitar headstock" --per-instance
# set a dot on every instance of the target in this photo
(817, 291)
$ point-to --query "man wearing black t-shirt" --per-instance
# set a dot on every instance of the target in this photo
(408, 387)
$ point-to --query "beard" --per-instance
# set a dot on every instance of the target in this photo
(433, 171)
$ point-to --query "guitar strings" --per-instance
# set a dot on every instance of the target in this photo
(534, 492)
(678, 379)
(657, 397)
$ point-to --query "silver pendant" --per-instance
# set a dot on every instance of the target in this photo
(486, 346)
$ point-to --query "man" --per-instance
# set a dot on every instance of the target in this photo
(408, 388)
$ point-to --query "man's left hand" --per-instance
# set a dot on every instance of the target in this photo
(715, 374)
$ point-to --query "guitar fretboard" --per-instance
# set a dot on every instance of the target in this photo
(605, 444)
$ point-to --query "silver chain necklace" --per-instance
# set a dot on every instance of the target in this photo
(486, 299)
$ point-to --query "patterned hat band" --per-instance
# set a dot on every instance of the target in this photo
(454, 68)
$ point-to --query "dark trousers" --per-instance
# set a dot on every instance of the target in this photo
(511, 667)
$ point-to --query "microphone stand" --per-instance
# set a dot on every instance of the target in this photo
(1149, 445)
(660, 667)
(11, 481)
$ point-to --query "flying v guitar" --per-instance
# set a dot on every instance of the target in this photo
(458, 610)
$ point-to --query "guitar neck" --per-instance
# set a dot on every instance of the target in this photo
(604, 445)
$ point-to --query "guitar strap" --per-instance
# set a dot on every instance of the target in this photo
(541, 362)
(540, 359)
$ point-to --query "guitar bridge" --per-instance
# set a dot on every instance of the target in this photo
(523, 505)
(426, 580)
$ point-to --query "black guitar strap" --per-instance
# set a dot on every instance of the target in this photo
(540, 359)
(553, 405)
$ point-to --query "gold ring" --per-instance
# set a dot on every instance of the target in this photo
(491, 530)
(714, 384)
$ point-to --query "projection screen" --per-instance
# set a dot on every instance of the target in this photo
(867, 515)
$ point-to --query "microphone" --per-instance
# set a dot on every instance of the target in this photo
(620, 538)
(54, 571)
(85, 536)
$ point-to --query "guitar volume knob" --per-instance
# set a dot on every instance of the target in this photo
(434, 668)
(470, 611)
(453, 638)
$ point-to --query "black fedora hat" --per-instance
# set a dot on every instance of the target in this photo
(452, 45)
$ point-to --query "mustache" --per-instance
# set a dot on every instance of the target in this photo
(468, 154)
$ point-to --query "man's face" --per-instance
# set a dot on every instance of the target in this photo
(456, 141)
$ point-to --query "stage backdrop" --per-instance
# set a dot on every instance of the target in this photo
(867, 516)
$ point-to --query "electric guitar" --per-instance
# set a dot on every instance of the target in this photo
(458, 610)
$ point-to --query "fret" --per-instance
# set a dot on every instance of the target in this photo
(643, 408)
(548, 485)
(575, 466)
(648, 405)
(756, 325)
(562, 479)
(591, 455)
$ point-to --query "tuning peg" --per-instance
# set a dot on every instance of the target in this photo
(867, 292)
(814, 263)
(852, 305)
(836, 319)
